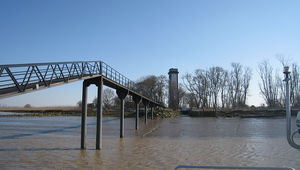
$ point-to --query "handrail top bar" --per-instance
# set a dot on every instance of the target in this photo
(33, 64)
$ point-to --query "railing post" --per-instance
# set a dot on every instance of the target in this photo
(111, 74)
(122, 94)
(84, 113)
(99, 114)
(106, 70)
(100, 71)
(82, 69)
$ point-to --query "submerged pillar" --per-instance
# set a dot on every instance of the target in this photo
(99, 114)
(84, 113)
(122, 94)
(145, 102)
(137, 101)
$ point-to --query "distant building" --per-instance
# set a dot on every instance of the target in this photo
(173, 89)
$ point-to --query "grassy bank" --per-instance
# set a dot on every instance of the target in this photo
(158, 112)
(75, 111)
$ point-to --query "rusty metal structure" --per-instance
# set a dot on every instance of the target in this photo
(23, 78)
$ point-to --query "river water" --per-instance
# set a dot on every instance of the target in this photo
(54, 142)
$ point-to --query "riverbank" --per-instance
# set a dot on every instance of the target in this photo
(76, 111)
(56, 111)
(243, 113)
(161, 113)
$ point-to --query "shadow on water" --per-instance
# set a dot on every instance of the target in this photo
(50, 131)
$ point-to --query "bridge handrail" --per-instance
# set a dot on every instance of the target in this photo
(21, 77)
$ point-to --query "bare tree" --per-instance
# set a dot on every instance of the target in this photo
(236, 74)
(108, 99)
(267, 86)
(295, 85)
(215, 75)
(281, 90)
(209, 87)
(191, 87)
(246, 83)
(181, 96)
(224, 87)
(196, 85)
(294, 82)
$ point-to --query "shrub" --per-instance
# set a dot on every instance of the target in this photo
(27, 106)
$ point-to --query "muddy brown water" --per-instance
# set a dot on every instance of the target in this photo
(53, 143)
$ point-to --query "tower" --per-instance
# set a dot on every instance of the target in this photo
(173, 88)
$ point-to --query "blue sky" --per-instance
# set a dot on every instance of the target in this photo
(145, 37)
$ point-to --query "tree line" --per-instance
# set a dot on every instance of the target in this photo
(215, 87)
(272, 87)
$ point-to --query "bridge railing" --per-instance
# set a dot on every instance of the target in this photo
(21, 77)
(114, 75)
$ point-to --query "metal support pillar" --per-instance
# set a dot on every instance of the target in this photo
(122, 94)
(146, 115)
(99, 114)
(137, 101)
(122, 119)
(84, 113)
(151, 112)
(146, 102)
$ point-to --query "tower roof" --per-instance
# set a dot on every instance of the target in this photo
(173, 70)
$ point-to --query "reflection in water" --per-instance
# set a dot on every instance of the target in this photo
(53, 142)
(11, 113)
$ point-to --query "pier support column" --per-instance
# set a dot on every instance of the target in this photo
(122, 94)
(99, 114)
(84, 113)
(151, 106)
(137, 101)
(146, 102)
